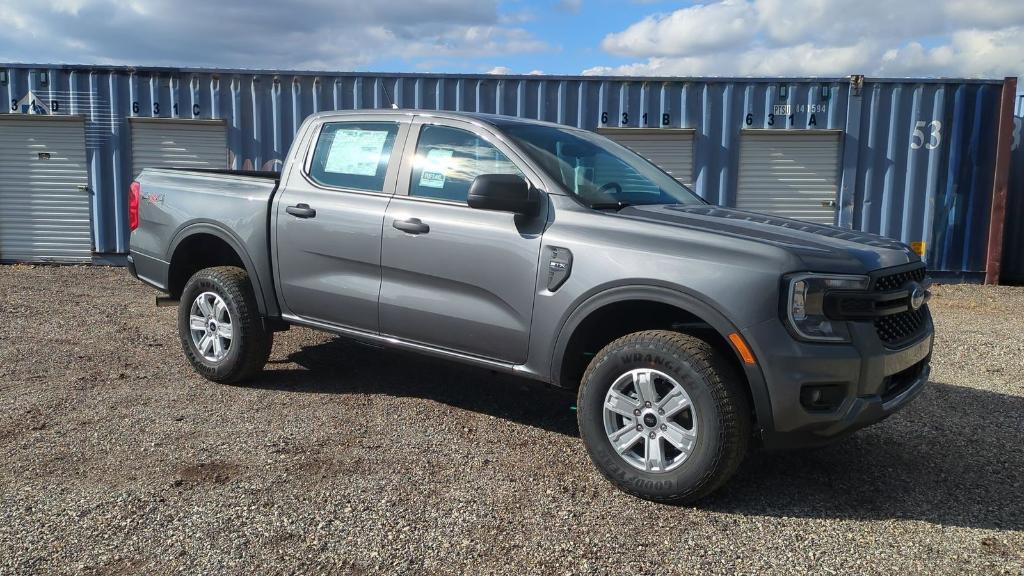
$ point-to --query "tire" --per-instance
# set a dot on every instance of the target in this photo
(718, 416)
(240, 356)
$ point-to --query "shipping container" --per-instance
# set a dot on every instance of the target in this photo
(912, 159)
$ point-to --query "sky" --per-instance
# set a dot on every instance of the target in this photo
(899, 38)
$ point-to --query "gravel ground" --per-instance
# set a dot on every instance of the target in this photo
(347, 459)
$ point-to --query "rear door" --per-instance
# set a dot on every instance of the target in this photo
(456, 277)
(329, 219)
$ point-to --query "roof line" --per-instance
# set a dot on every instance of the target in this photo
(389, 75)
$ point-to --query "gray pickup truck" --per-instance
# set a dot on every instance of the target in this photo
(690, 331)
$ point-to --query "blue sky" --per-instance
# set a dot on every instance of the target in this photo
(961, 38)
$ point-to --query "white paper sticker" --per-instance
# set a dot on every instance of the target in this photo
(355, 151)
(435, 167)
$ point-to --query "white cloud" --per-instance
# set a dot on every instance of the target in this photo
(684, 31)
(969, 38)
(334, 34)
(505, 71)
(969, 53)
(985, 13)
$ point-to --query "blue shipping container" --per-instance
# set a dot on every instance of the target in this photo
(916, 164)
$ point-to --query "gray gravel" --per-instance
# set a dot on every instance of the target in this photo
(352, 460)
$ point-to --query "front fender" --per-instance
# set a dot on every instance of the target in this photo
(690, 303)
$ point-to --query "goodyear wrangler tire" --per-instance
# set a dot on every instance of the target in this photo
(663, 416)
(220, 327)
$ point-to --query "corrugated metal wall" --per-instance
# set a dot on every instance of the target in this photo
(917, 156)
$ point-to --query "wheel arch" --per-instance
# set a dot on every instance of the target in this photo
(221, 247)
(690, 306)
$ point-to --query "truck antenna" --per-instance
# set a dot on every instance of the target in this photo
(388, 96)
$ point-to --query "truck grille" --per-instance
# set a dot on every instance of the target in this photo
(898, 328)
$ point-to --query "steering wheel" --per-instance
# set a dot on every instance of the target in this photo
(608, 186)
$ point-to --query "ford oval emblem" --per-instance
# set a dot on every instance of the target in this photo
(917, 294)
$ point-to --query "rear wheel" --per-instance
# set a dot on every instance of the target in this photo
(220, 327)
(663, 416)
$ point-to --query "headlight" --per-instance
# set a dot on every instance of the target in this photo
(804, 305)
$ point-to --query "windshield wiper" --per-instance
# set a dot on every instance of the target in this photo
(609, 205)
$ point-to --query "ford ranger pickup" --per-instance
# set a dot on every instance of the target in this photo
(690, 332)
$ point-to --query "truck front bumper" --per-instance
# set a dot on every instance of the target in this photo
(821, 392)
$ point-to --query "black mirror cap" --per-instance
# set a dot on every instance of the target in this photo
(504, 193)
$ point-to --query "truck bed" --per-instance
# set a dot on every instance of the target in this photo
(232, 205)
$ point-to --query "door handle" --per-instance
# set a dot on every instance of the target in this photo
(301, 211)
(411, 226)
(828, 204)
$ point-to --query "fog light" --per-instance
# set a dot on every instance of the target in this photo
(822, 397)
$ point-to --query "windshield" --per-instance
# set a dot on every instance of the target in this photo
(601, 173)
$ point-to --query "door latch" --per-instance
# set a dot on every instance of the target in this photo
(559, 266)
(828, 203)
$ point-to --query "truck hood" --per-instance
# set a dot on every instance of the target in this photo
(820, 248)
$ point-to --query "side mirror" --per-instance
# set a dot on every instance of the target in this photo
(504, 193)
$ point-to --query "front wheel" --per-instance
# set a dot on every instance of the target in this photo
(220, 327)
(663, 416)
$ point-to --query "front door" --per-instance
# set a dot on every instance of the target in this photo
(329, 221)
(453, 276)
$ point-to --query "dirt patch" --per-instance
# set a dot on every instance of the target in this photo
(205, 473)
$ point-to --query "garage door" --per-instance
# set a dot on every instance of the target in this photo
(670, 150)
(44, 195)
(178, 144)
(792, 174)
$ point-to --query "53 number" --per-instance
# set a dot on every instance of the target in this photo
(927, 134)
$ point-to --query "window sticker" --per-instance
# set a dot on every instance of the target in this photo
(435, 168)
(355, 151)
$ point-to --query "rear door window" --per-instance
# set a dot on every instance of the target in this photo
(353, 155)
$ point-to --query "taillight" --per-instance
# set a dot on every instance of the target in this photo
(134, 194)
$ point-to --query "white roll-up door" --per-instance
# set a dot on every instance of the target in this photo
(794, 174)
(44, 194)
(167, 143)
(669, 149)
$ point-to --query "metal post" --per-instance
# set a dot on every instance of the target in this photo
(1000, 185)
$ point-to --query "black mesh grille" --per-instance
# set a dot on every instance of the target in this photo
(901, 327)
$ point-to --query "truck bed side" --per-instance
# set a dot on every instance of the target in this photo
(187, 217)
